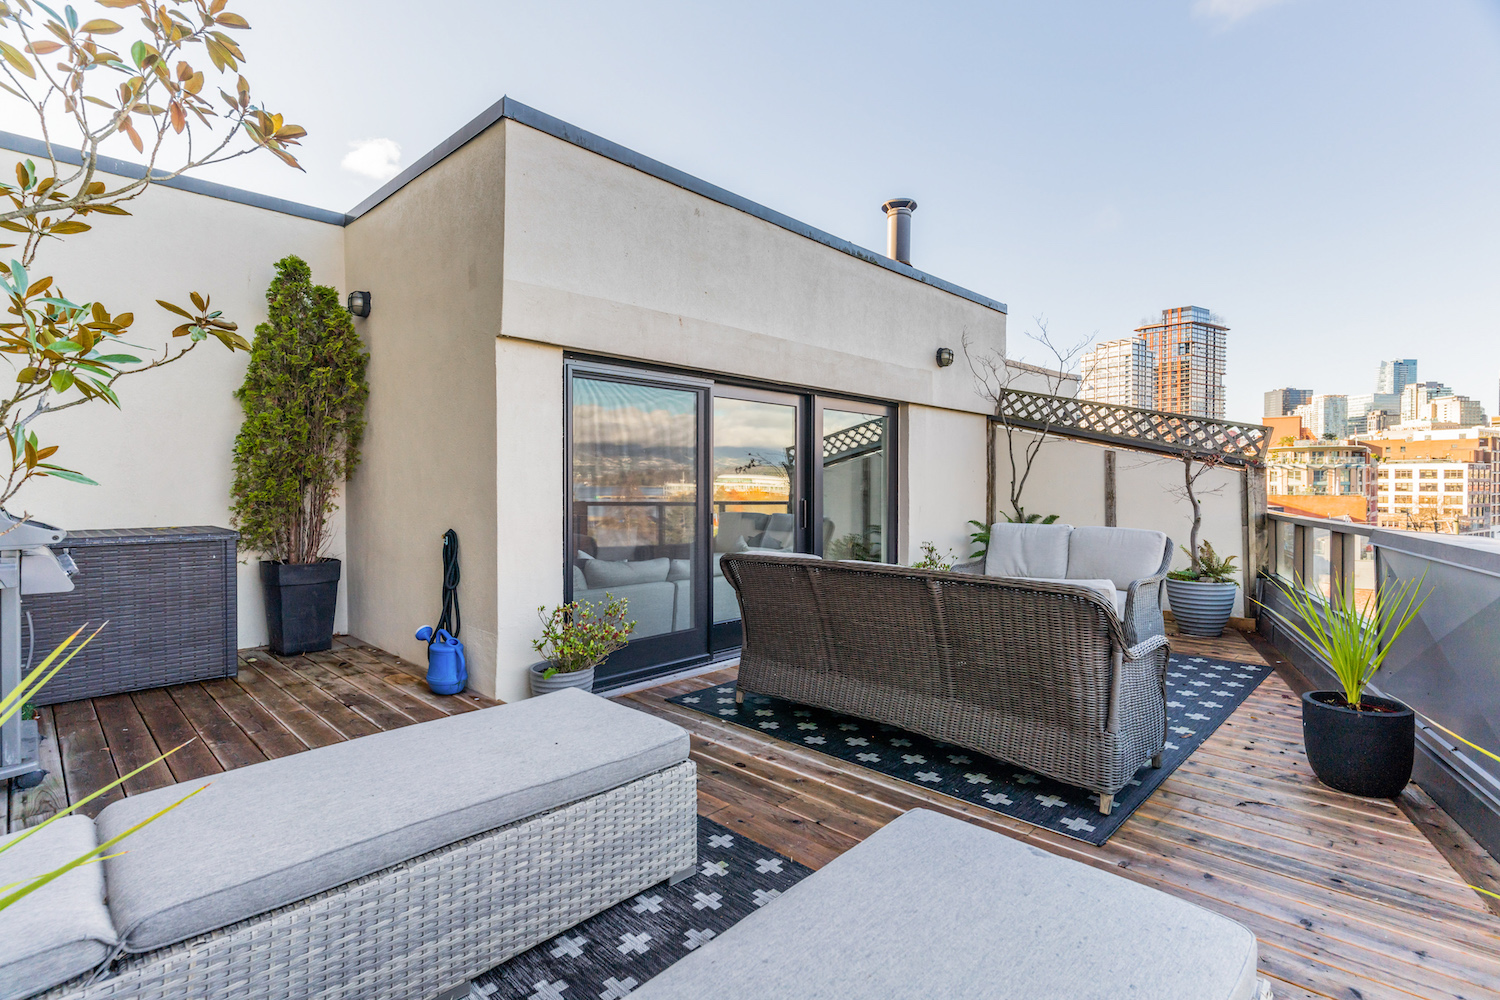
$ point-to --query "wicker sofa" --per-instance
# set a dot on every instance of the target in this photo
(398, 865)
(1044, 674)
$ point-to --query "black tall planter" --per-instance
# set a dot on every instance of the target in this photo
(1362, 753)
(300, 602)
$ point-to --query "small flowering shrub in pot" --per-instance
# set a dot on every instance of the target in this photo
(576, 638)
(1356, 742)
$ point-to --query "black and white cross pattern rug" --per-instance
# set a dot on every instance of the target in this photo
(1201, 694)
(609, 955)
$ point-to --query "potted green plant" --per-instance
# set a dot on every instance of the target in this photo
(576, 638)
(1356, 742)
(1202, 596)
(304, 398)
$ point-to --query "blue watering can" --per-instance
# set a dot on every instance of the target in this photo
(447, 673)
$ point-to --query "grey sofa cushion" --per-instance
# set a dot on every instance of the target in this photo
(63, 929)
(1036, 551)
(270, 834)
(602, 573)
(935, 907)
(1123, 555)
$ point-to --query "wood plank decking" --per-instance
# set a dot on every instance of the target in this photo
(1348, 897)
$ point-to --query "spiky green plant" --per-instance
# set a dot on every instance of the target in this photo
(10, 706)
(1354, 640)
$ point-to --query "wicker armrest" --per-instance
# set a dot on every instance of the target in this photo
(974, 567)
(1142, 650)
(1143, 618)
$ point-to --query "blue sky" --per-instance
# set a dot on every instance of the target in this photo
(1324, 174)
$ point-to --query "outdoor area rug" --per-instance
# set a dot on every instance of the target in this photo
(1201, 694)
(611, 954)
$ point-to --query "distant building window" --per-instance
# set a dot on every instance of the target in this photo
(1403, 473)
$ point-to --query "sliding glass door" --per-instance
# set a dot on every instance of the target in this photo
(636, 520)
(757, 495)
(668, 474)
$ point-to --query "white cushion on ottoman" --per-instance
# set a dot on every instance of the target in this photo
(935, 907)
(61, 930)
(277, 832)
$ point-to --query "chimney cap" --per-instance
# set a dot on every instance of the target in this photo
(905, 203)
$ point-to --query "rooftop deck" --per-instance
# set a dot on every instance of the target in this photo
(1350, 898)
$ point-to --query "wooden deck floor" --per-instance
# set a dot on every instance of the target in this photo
(275, 707)
(1348, 897)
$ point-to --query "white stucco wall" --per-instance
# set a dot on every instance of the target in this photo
(431, 259)
(606, 259)
(1067, 479)
(943, 486)
(165, 457)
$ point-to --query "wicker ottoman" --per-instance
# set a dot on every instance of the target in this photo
(935, 907)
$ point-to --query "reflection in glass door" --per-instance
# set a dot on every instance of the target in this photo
(634, 512)
(853, 488)
(756, 489)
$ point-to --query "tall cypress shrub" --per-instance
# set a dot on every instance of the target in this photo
(304, 398)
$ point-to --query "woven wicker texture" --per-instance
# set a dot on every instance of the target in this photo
(416, 929)
(169, 597)
(1039, 674)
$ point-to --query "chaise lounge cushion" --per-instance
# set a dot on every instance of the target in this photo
(931, 906)
(273, 833)
(1031, 551)
(62, 930)
(1123, 555)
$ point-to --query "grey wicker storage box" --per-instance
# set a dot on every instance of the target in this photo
(169, 597)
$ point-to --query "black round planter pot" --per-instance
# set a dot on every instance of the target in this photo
(1362, 753)
(300, 601)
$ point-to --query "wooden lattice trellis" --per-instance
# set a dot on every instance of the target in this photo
(1155, 430)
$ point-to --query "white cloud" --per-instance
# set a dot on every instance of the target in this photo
(1230, 11)
(377, 158)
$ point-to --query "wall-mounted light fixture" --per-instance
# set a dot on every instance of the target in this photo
(359, 304)
(944, 357)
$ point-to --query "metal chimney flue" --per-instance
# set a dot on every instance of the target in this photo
(898, 222)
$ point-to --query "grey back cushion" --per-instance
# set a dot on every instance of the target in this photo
(931, 906)
(63, 929)
(1123, 555)
(1028, 550)
(273, 833)
(608, 573)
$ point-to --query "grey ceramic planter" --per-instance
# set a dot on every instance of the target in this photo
(543, 685)
(1201, 607)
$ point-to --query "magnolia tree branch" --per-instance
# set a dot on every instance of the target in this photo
(68, 351)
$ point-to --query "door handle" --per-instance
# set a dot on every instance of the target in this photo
(802, 513)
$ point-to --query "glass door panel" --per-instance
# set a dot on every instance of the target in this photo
(854, 495)
(756, 489)
(635, 517)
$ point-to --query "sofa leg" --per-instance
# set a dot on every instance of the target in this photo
(682, 875)
(1156, 761)
(1106, 803)
(739, 696)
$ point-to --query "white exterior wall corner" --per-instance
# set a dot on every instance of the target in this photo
(166, 457)
(431, 258)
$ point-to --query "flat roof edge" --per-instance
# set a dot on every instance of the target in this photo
(559, 129)
(124, 168)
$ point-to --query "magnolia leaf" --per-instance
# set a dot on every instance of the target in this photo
(198, 301)
(43, 48)
(108, 210)
(100, 26)
(69, 228)
(39, 286)
(138, 51)
(169, 307)
(119, 4)
(117, 359)
(124, 319)
(60, 473)
(17, 61)
(62, 381)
